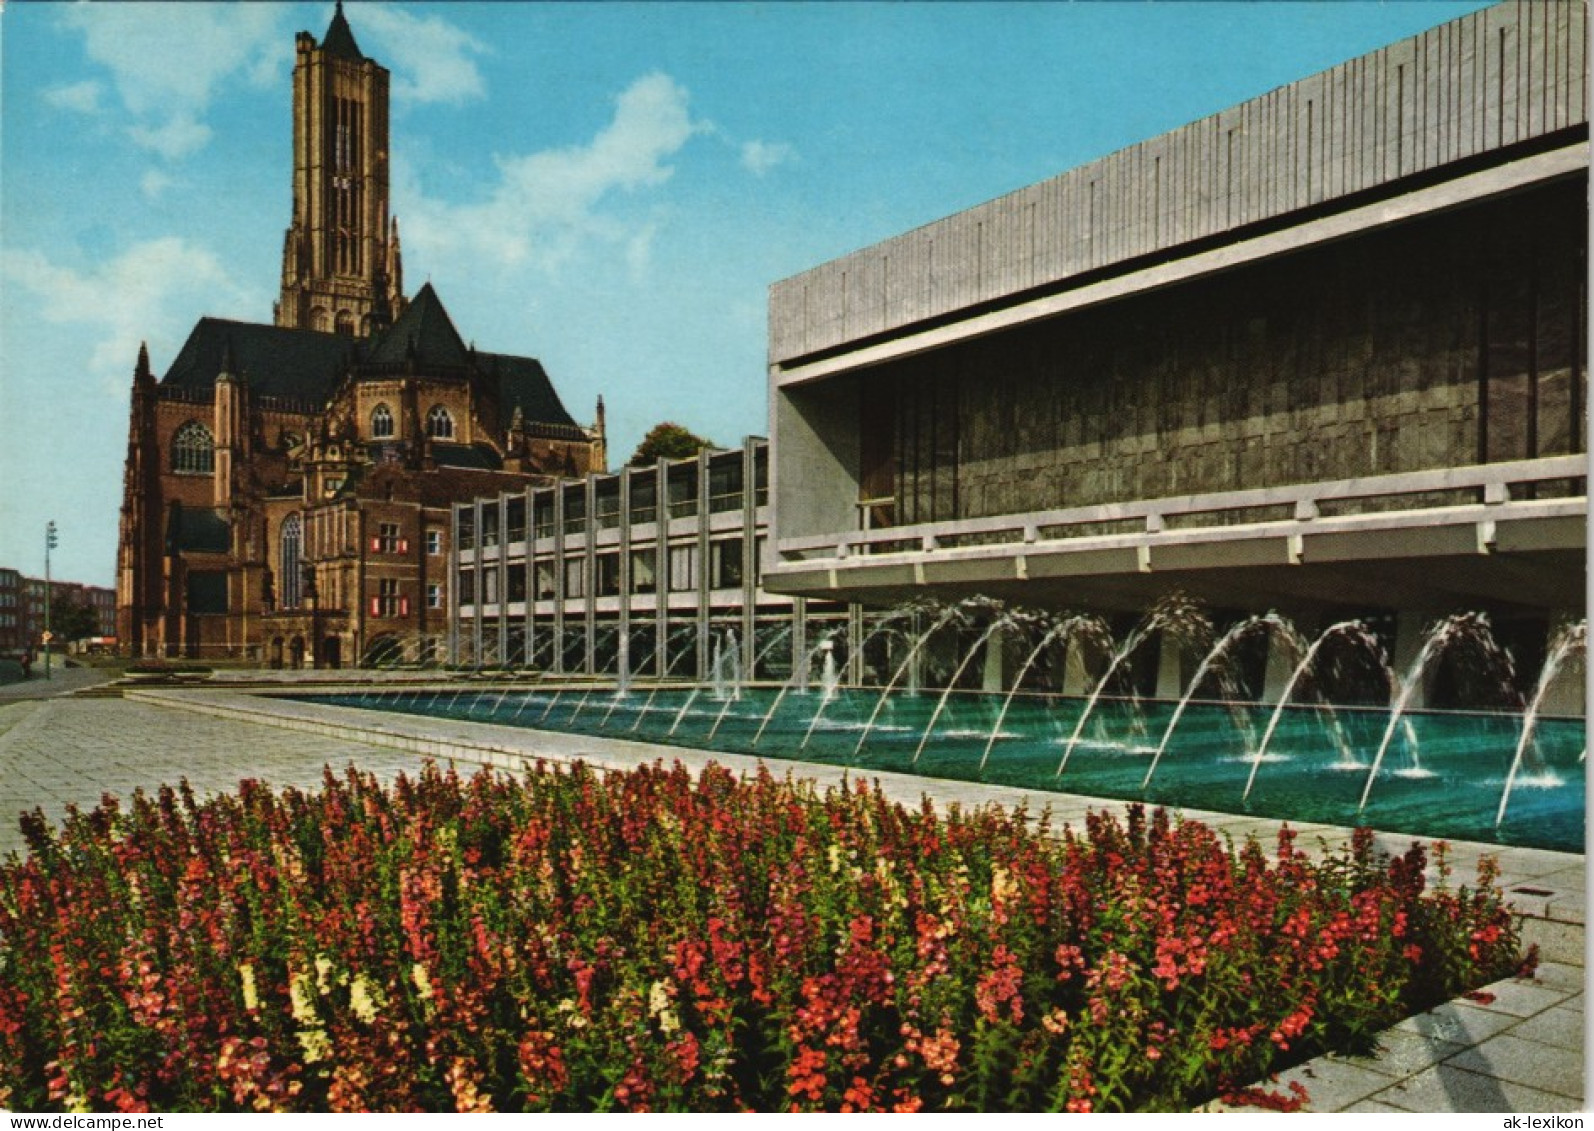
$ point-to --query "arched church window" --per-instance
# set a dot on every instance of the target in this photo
(288, 562)
(381, 422)
(193, 450)
(439, 424)
(318, 318)
(345, 323)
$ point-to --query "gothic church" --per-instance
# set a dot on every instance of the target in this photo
(287, 489)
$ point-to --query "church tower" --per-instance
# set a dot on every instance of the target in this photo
(340, 259)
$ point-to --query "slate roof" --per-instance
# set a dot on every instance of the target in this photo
(308, 365)
(339, 39)
(278, 362)
(524, 384)
(424, 329)
(478, 456)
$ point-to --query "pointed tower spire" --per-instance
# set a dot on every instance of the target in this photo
(141, 369)
(339, 39)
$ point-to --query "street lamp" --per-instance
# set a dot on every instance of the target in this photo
(49, 544)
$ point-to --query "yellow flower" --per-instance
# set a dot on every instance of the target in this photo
(315, 1045)
(423, 982)
(1002, 885)
(323, 971)
(246, 974)
(659, 1006)
(302, 998)
(364, 999)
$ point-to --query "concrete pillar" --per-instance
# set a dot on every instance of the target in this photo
(661, 568)
(854, 644)
(453, 585)
(559, 577)
(1282, 659)
(1411, 632)
(1281, 664)
(799, 641)
(1170, 668)
(623, 644)
(503, 580)
(1567, 693)
(705, 577)
(479, 595)
(589, 579)
(749, 561)
(529, 563)
(1077, 679)
(994, 676)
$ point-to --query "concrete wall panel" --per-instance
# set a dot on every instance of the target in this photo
(1504, 75)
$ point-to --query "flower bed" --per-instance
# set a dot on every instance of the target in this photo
(654, 940)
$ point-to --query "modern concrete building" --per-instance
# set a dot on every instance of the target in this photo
(1323, 352)
(564, 578)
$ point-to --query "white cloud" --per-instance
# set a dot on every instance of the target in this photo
(167, 61)
(762, 156)
(152, 291)
(83, 97)
(429, 57)
(153, 183)
(547, 206)
(178, 137)
(639, 251)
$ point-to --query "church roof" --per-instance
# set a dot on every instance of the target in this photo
(303, 365)
(308, 365)
(339, 39)
(524, 384)
(478, 456)
(424, 330)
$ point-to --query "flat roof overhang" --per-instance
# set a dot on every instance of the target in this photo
(1511, 177)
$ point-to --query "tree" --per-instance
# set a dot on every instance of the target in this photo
(668, 440)
(70, 620)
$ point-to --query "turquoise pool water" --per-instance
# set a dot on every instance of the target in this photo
(1442, 774)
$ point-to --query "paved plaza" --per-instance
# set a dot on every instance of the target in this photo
(67, 751)
(1517, 1048)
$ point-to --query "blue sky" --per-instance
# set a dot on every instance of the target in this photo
(608, 187)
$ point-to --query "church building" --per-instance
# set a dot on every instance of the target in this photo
(288, 486)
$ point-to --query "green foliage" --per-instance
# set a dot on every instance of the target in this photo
(72, 620)
(667, 440)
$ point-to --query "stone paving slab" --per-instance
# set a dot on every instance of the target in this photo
(1402, 1053)
(1518, 998)
(1511, 1058)
(1560, 976)
(64, 752)
(1460, 1022)
(1333, 1085)
(1449, 1088)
